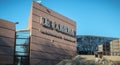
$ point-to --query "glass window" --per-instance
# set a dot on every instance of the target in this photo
(22, 47)
(22, 54)
(22, 34)
(22, 41)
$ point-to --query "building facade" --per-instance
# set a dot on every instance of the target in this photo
(111, 48)
(52, 36)
(100, 47)
(105, 48)
(88, 44)
(49, 38)
(115, 47)
(7, 41)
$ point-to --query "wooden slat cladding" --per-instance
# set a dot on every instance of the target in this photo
(48, 43)
(7, 24)
(6, 50)
(38, 26)
(49, 49)
(36, 18)
(46, 49)
(4, 60)
(54, 14)
(43, 62)
(7, 40)
(44, 55)
(7, 33)
(39, 34)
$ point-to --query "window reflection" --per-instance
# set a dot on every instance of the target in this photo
(22, 47)
(22, 41)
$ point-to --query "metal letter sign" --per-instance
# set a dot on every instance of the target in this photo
(56, 26)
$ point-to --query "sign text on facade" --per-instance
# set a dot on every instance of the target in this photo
(56, 26)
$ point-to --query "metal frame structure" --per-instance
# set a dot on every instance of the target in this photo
(17, 54)
(88, 44)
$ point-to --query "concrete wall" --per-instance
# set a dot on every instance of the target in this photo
(115, 47)
(7, 37)
(46, 49)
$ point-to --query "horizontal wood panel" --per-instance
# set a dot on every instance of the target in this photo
(43, 62)
(35, 61)
(7, 24)
(6, 50)
(38, 27)
(7, 41)
(53, 44)
(42, 55)
(46, 49)
(51, 49)
(41, 41)
(59, 16)
(52, 56)
(39, 34)
(36, 18)
(4, 60)
(7, 33)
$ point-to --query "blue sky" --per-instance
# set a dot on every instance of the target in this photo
(93, 17)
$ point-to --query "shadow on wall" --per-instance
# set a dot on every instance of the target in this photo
(6, 51)
(49, 53)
